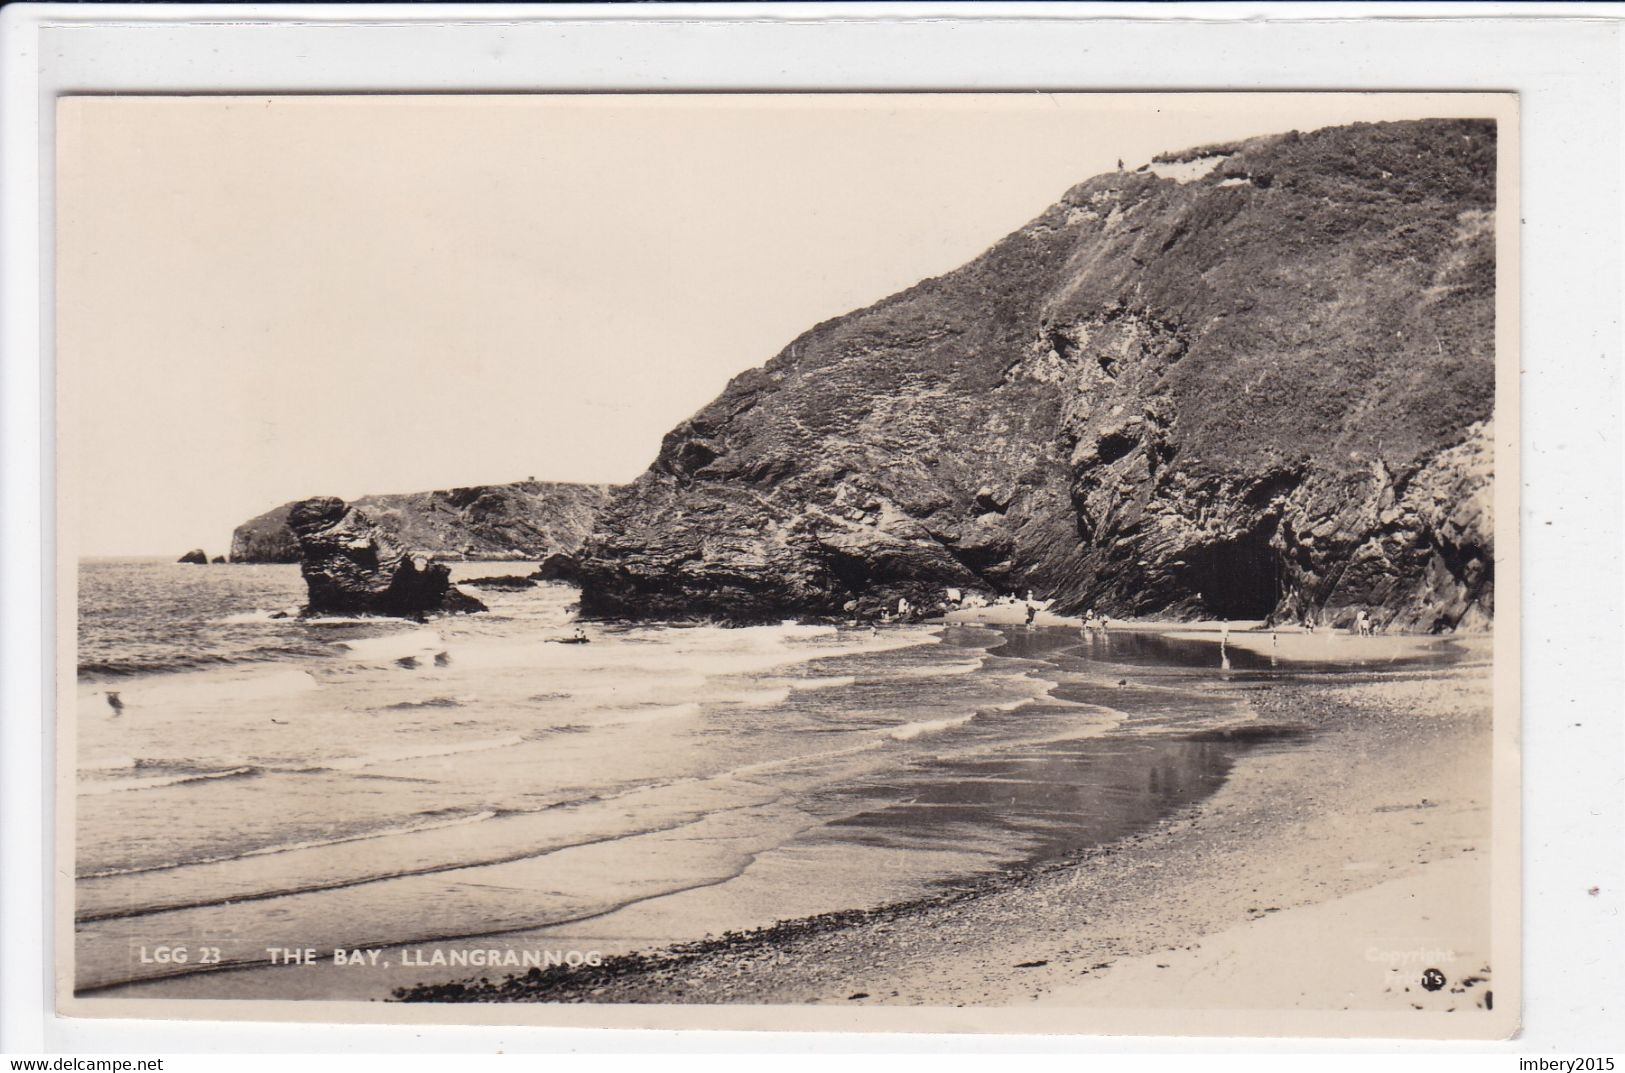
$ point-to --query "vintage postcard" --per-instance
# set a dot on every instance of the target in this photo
(958, 562)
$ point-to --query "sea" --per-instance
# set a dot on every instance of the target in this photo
(257, 790)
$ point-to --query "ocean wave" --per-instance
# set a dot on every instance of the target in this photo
(763, 766)
(652, 712)
(790, 629)
(940, 671)
(258, 615)
(195, 661)
(348, 620)
(293, 847)
(802, 685)
(910, 731)
(760, 698)
(418, 752)
(1041, 691)
(97, 789)
(127, 910)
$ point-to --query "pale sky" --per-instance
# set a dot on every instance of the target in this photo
(261, 299)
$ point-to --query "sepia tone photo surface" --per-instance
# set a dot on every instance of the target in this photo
(1015, 562)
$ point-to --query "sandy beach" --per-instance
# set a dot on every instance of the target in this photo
(1350, 843)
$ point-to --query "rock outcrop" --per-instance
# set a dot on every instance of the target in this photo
(265, 538)
(194, 556)
(520, 521)
(1260, 388)
(353, 566)
(508, 582)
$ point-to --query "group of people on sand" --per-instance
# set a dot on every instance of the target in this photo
(1363, 626)
(1091, 620)
(907, 612)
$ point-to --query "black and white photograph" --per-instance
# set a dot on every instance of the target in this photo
(825, 559)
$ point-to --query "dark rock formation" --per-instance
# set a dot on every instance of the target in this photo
(524, 520)
(458, 602)
(265, 538)
(352, 566)
(560, 566)
(194, 556)
(1262, 391)
(218, 559)
(500, 582)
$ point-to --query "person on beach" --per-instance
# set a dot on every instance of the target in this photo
(1032, 609)
(1362, 623)
(903, 609)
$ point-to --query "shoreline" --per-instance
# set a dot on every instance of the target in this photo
(1290, 644)
(1396, 769)
(895, 953)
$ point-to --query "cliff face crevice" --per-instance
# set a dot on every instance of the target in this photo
(1260, 389)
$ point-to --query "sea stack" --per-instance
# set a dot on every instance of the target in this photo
(1246, 381)
(194, 556)
(352, 566)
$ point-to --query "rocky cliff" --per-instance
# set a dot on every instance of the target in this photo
(1245, 381)
(352, 566)
(525, 520)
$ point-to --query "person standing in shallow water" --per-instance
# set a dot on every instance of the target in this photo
(1032, 609)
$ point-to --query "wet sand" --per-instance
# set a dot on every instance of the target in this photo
(1347, 852)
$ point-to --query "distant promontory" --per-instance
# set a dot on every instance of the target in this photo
(519, 521)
